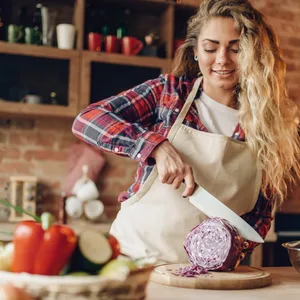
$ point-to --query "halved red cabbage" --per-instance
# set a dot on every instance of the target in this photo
(213, 245)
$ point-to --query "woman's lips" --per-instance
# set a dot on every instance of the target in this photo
(223, 74)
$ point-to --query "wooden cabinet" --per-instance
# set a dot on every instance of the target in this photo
(69, 60)
(89, 76)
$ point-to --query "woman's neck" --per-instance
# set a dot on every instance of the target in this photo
(223, 96)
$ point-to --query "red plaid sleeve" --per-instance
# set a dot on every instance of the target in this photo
(122, 123)
(259, 218)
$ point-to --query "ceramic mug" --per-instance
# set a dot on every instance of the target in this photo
(131, 45)
(65, 36)
(31, 99)
(112, 44)
(94, 41)
(87, 191)
(177, 43)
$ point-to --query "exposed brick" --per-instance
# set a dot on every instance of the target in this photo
(289, 28)
(279, 14)
(59, 126)
(45, 155)
(293, 4)
(24, 124)
(294, 94)
(291, 67)
(110, 212)
(294, 41)
(13, 153)
(45, 139)
(16, 168)
(22, 139)
(3, 138)
(5, 123)
(66, 142)
(291, 54)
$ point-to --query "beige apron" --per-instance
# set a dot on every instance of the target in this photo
(156, 220)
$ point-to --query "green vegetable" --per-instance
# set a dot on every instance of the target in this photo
(78, 274)
(93, 250)
(6, 255)
(118, 268)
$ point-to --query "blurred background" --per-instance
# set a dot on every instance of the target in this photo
(57, 57)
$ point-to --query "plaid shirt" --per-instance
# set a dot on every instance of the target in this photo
(134, 122)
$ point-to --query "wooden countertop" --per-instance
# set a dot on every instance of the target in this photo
(285, 285)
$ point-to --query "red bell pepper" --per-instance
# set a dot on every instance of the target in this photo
(42, 248)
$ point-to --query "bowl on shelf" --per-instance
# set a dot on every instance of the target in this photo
(293, 249)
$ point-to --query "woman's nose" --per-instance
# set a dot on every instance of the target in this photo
(222, 57)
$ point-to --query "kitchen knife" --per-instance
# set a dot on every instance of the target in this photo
(212, 207)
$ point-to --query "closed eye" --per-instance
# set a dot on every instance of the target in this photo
(210, 51)
(235, 50)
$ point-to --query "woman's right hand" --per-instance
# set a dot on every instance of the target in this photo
(171, 169)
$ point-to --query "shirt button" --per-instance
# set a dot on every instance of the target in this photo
(176, 109)
(116, 149)
(139, 155)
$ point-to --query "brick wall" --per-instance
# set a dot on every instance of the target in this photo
(284, 16)
(41, 147)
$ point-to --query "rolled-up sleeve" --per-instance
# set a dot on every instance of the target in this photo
(122, 124)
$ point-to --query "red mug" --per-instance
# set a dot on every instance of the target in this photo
(177, 43)
(112, 44)
(94, 41)
(131, 45)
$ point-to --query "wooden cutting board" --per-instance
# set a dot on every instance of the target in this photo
(242, 277)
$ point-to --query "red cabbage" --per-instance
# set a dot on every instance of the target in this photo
(212, 245)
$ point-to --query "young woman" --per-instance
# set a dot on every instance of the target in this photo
(221, 120)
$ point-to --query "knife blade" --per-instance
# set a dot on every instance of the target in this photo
(212, 207)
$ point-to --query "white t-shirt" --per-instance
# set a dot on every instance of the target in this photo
(216, 117)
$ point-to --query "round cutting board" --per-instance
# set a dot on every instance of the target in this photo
(242, 277)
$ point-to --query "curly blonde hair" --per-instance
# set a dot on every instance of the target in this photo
(268, 117)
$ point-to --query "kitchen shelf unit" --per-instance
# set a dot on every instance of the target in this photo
(17, 109)
(164, 14)
(88, 58)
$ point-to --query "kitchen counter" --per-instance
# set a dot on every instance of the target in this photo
(80, 225)
(285, 285)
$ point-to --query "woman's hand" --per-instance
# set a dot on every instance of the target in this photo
(171, 169)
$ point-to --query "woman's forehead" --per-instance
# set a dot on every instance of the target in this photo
(220, 29)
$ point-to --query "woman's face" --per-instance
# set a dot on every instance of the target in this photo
(217, 51)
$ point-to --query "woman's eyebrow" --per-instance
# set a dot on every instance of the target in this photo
(217, 42)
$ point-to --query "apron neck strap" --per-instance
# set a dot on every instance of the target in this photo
(185, 109)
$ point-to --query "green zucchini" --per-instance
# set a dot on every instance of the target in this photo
(93, 251)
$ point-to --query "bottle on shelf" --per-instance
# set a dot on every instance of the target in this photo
(104, 26)
(22, 22)
(37, 22)
(122, 28)
(53, 98)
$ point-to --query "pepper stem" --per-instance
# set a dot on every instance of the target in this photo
(47, 220)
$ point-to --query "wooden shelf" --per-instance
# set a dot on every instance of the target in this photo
(140, 61)
(14, 109)
(158, 16)
(37, 51)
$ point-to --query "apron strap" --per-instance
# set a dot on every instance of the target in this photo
(184, 110)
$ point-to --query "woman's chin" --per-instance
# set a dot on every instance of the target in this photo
(224, 83)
